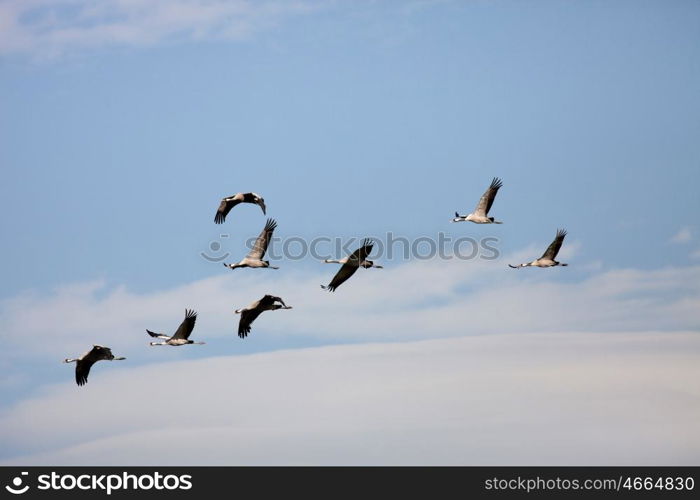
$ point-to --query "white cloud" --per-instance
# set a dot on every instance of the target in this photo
(417, 300)
(507, 381)
(562, 398)
(48, 28)
(682, 236)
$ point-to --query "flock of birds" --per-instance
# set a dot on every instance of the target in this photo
(349, 265)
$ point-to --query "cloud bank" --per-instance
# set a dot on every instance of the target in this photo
(48, 28)
(416, 300)
(424, 363)
(503, 399)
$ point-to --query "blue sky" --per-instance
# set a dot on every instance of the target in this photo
(124, 125)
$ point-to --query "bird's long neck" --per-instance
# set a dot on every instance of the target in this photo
(70, 360)
(332, 261)
(157, 343)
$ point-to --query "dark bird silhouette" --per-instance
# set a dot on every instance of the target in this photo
(351, 263)
(89, 358)
(255, 309)
(228, 203)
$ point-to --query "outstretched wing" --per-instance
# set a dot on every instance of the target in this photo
(255, 198)
(258, 251)
(85, 362)
(268, 300)
(553, 248)
(187, 325)
(484, 205)
(247, 317)
(360, 255)
(157, 335)
(345, 271)
(225, 207)
(82, 370)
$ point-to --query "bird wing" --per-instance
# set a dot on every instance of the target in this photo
(85, 362)
(553, 248)
(255, 198)
(157, 335)
(267, 300)
(260, 247)
(486, 200)
(247, 317)
(82, 370)
(345, 271)
(224, 208)
(187, 325)
(360, 255)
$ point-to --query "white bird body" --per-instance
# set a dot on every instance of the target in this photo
(365, 263)
(254, 258)
(181, 335)
(480, 213)
(548, 257)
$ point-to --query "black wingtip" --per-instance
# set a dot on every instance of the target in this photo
(270, 225)
(496, 183)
